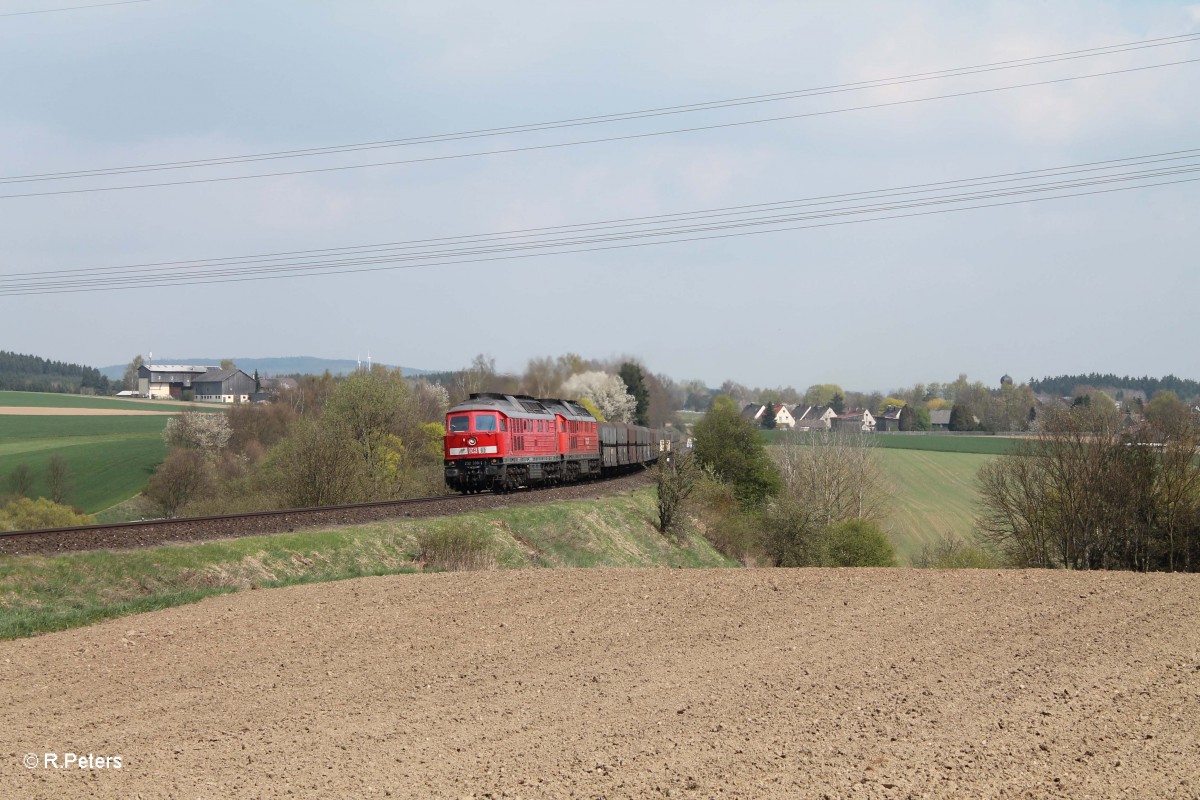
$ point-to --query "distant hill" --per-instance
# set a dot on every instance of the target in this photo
(267, 367)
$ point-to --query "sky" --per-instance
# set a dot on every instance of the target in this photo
(1105, 282)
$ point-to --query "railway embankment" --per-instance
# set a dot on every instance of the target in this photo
(41, 593)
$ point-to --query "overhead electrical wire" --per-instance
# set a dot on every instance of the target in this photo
(73, 8)
(1051, 58)
(620, 116)
(941, 197)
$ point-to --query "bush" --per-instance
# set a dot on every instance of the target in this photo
(953, 553)
(733, 531)
(456, 548)
(790, 536)
(24, 514)
(856, 543)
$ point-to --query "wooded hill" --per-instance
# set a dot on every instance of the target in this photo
(24, 373)
(1064, 385)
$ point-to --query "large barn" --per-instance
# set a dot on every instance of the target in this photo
(210, 384)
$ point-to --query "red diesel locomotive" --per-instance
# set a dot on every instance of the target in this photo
(504, 441)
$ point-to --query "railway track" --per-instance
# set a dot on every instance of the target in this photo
(148, 533)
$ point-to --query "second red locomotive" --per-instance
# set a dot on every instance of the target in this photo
(504, 441)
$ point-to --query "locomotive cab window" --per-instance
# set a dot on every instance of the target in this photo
(460, 424)
(485, 422)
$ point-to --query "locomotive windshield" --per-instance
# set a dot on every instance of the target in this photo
(485, 422)
(460, 424)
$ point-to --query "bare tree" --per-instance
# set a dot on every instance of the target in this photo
(183, 476)
(835, 475)
(58, 478)
(20, 480)
(676, 476)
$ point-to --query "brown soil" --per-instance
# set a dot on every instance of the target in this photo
(40, 411)
(628, 683)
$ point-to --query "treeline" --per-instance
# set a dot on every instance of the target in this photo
(24, 373)
(1091, 492)
(820, 501)
(368, 436)
(1064, 385)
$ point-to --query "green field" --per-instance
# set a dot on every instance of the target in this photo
(943, 443)
(55, 400)
(935, 495)
(110, 458)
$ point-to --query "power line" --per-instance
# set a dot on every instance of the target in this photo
(658, 219)
(72, 8)
(626, 137)
(615, 117)
(698, 228)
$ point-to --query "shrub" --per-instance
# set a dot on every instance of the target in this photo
(953, 553)
(24, 514)
(856, 543)
(456, 548)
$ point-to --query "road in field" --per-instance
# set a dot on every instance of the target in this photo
(627, 684)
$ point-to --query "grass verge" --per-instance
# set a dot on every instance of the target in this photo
(39, 594)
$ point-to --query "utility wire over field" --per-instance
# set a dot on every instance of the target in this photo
(989, 191)
(537, 127)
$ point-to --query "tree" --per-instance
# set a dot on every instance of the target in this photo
(768, 417)
(833, 476)
(58, 478)
(366, 409)
(838, 403)
(182, 477)
(20, 480)
(1168, 413)
(199, 430)
(227, 363)
(315, 466)
(635, 384)
(731, 447)
(130, 379)
(1085, 495)
(257, 383)
(908, 418)
(962, 418)
(822, 394)
(606, 391)
(676, 476)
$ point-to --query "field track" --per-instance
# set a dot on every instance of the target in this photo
(628, 684)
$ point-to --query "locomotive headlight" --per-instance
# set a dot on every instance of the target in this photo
(471, 441)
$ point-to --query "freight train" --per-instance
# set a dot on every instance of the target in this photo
(505, 441)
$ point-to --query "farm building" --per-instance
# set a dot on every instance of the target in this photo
(889, 420)
(939, 420)
(813, 418)
(211, 384)
(223, 386)
(168, 381)
(857, 419)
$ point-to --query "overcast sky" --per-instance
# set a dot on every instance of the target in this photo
(1107, 282)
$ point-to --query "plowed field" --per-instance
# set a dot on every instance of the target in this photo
(626, 683)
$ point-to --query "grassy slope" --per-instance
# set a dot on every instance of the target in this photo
(935, 495)
(110, 458)
(45, 593)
